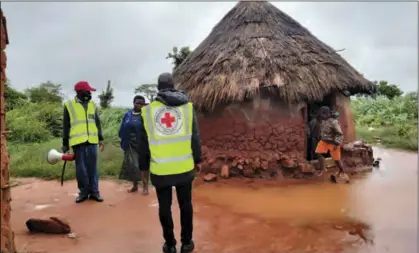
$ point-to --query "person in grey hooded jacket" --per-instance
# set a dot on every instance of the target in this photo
(172, 99)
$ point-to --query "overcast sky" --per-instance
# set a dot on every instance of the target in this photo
(127, 42)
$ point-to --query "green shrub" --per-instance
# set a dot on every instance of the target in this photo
(394, 121)
(25, 127)
(111, 119)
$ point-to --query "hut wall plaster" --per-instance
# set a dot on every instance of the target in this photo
(252, 137)
(343, 105)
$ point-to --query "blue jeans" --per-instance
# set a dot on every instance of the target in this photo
(86, 169)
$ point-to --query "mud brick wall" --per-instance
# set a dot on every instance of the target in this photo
(7, 236)
(253, 137)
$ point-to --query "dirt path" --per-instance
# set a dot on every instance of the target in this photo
(298, 219)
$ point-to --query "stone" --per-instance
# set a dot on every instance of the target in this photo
(210, 177)
(225, 171)
(306, 167)
(248, 171)
(287, 163)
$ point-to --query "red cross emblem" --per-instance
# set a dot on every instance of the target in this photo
(168, 119)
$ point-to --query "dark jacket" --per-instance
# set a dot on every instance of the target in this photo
(170, 98)
(67, 125)
(125, 131)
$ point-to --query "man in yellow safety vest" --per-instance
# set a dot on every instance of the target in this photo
(170, 148)
(82, 132)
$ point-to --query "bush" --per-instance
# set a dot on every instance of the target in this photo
(25, 127)
(394, 121)
(43, 121)
(111, 120)
(35, 122)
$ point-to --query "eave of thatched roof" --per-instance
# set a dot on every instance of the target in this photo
(257, 45)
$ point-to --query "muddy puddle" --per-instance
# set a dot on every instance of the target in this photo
(380, 207)
(376, 213)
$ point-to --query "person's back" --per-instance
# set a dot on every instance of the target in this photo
(330, 131)
(171, 149)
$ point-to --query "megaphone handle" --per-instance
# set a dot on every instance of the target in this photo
(62, 173)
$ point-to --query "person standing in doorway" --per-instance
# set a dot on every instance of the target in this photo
(331, 137)
(82, 132)
(314, 134)
(171, 149)
(129, 135)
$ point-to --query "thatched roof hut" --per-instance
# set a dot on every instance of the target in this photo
(257, 45)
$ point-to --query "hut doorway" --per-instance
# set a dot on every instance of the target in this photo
(312, 110)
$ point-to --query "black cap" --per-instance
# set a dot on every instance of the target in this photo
(165, 81)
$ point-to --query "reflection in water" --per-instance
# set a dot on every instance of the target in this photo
(386, 200)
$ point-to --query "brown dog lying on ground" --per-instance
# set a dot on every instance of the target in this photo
(51, 226)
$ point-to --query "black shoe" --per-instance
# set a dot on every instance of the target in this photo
(81, 198)
(187, 248)
(169, 249)
(96, 197)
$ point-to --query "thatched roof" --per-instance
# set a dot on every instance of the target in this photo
(256, 45)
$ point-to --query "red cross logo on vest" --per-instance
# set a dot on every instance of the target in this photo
(168, 120)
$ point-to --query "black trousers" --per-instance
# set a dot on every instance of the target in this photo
(184, 197)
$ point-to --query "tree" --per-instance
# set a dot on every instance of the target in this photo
(14, 98)
(382, 88)
(178, 56)
(388, 90)
(149, 90)
(45, 92)
(106, 97)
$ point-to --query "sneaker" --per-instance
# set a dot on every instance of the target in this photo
(187, 248)
(169, 249)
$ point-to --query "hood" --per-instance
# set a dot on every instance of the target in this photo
(172, 97)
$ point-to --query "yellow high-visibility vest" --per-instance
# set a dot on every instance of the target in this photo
(169, 131)
(83, 125)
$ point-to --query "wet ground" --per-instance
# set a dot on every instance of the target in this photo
(375, 214)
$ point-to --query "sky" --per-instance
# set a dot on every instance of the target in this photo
(127, 43)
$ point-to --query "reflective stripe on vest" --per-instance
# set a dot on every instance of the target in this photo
(171, 151)
(82, 123)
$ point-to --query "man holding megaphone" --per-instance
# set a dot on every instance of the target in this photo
(82, 132)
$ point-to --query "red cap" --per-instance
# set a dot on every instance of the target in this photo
(83, 85)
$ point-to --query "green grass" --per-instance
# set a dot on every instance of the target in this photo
(29, 160)
(388, 138)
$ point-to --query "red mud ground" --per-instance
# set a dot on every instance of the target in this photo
(293, 219)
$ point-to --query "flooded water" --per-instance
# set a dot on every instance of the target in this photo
(386, 200)
(377, 213)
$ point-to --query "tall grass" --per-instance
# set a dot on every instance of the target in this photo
(394, 122)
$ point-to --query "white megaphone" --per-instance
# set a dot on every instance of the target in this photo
(54, 156)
